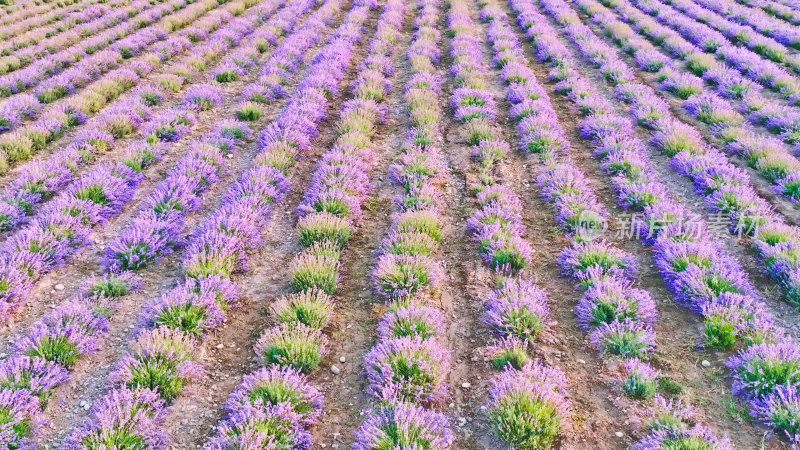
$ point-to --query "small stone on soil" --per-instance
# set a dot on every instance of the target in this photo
(465, 385)
(705, 363)
(220, 345)
(462, 421)
(619, 434)
(59, 287)
(342, 359)
(335, 370)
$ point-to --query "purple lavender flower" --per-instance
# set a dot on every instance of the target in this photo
(122, 418)
(32, 374)
(758, 369)
(411, 320)
(278, 385)
(611, 300)
(160, 360)
(518, 309)
(21, 417)
(627, 338)
(203, 96)
(268, 427)
(698, 435)
(292, 344)
(577, 259)
(780, 409)
(182, 308)
(526, 407)
(408, 369)
(404, 425)
(640, 379)
(400, 276)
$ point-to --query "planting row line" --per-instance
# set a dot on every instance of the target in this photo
(527, 402)
(769, 157)
(330, 211)
(159, 362)
(619, 317)
(726, 189)
(83, 23)
(407, 368)
(39, 181)
(101, 193)
(704, 278)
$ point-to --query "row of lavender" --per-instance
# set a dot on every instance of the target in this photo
(73, 329)
(727, 189)
(53, 121)
(89, 199)
(407, 368)
(527, 403)
(275, 406)
(619, 317)
(705, 278)
(330, 210)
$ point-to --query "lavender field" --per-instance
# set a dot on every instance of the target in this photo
(399, 224)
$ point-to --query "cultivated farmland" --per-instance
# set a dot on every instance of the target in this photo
(399, 224)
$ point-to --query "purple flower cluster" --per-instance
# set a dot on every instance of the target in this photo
(517, 403)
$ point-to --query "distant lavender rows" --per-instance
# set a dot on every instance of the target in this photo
(769, 157)
(726, 189)
(82, 23)
(103, 84)
(619, 317)
(168, 342)
(38, 181)
(32, 16)
(219, 247)
(91, 198)
(703, 277)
